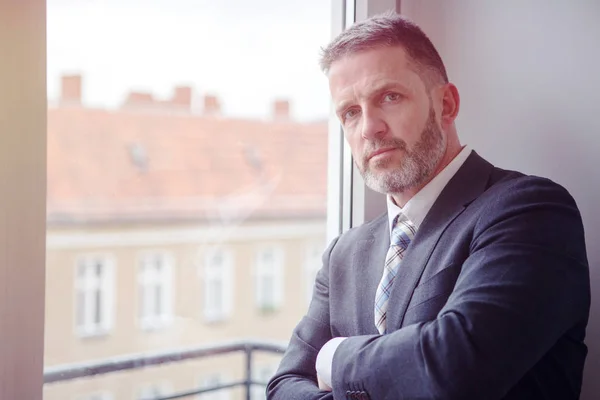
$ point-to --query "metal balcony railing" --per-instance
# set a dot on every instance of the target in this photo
(68, 372)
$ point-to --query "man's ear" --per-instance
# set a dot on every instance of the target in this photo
(450, 104)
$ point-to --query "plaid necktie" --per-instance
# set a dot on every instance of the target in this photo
(403, 232)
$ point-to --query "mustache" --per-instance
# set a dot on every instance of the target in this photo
(383, 144)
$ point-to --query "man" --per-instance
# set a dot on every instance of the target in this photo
(473, 285)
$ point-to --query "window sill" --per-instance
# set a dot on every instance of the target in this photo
(267, 310)
(216, 319)
(92, 334)
(156, 325)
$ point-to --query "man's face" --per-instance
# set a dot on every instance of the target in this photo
(388, 118)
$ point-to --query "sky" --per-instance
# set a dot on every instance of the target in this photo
(248, 53)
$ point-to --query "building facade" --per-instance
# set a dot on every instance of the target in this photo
(170, 228)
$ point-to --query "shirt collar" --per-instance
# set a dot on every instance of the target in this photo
(418, 206)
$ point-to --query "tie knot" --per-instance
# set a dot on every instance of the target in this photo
(403, 231)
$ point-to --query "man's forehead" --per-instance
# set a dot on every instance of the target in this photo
(381, 57)
(368, 67)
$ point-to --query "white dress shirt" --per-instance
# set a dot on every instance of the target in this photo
(415, 210)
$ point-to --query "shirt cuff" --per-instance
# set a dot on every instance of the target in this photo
(324, 362)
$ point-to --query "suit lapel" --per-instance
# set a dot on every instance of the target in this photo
(466, 185)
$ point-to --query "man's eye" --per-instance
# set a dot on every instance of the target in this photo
(391, 97)
(350, 114)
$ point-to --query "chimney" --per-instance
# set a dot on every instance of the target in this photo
(139, 100)
(212, 105)
(182, 98)
(70, 93)
(281, 110)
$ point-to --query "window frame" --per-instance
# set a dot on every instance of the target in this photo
(167, 286)
(107, 286)
(261, 271)
(357, 202)
(225, 274)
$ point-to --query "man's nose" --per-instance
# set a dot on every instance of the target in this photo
(373, 125)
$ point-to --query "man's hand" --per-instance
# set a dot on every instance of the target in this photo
(324, 363)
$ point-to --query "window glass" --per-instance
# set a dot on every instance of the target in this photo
(187, 171)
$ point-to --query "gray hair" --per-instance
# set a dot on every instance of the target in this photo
(387, 30)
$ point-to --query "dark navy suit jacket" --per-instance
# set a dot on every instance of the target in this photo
(491, 301)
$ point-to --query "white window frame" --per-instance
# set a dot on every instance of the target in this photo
(273, 270)
(150, 279)
(349, 203)
(222, 272)
(86, 263)
(359, 203)
(23, 187)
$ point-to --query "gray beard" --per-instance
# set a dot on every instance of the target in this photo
(416, 166)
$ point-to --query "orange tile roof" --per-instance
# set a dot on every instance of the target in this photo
(122, 165)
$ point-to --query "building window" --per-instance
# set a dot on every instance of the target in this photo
(269, 279)
(212, 381)
(155, 282)
(94, 287)
(312, 265)
(218, 285)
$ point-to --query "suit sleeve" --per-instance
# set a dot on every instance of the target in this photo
(296, 377)
(524, 284)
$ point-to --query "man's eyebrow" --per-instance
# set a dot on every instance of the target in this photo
(340, 107)
(375, 89)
